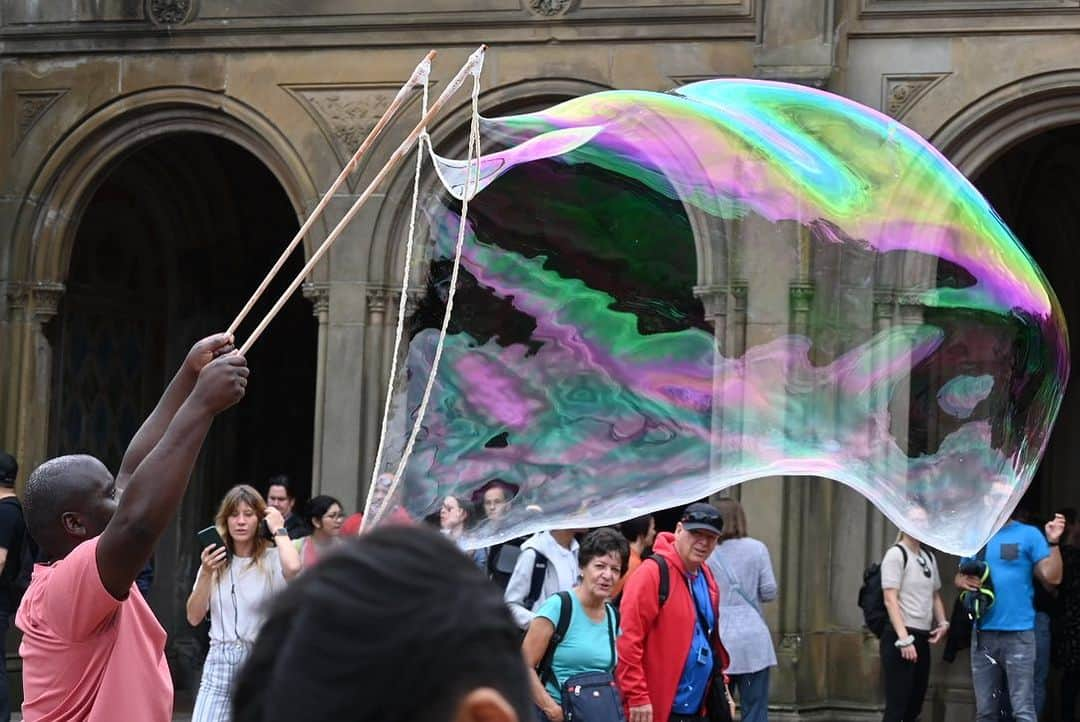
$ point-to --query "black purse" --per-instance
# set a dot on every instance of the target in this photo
(589, 696)
(717, 704)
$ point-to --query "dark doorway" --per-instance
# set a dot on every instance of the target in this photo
(172, 243)
(1033, 187)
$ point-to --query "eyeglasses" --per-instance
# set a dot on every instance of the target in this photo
(335, 516)
(925, 566)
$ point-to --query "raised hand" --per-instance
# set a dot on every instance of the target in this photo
(274, 519)
(1055, 528)
(206, 350)
(212, 558)
(221, 383)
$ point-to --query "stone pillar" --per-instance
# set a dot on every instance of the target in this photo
(795, 42)
(31, 306)
(319, 295)
(714, 299)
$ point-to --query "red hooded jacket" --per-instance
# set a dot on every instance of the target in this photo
(655, 640)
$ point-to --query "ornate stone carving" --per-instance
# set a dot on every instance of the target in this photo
(30, 107)
(378, 299)
(170, 12)
(345, 113)
(319, 295)
(46, 299)
(790, 644)
(900, 93)
(42, 298)
(387, 301)
(884, 301)
(714, 298)
(549, 8)
(801, 295)
(740, 291)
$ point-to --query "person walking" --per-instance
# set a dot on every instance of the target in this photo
(233, 585)
(669, 653)
(744, 576)
(589, 642)
(911, 585)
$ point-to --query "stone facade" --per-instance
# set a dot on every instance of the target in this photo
(82, 85)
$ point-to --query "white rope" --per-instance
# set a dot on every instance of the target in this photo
(472, 182)
(399, 330)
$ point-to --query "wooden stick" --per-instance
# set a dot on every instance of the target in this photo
(474, 60)
(418, 76)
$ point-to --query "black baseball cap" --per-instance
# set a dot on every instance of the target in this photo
(703, 517)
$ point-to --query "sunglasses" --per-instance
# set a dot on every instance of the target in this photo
(925, 566)
(699, 517)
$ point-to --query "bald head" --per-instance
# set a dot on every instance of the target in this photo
(68, 500)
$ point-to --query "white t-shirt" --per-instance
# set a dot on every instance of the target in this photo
(238, 599)
(915, 588)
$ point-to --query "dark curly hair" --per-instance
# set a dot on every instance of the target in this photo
(397, 626)
(601, 542)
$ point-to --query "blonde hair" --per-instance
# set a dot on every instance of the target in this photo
(242, 494)
(734, 518)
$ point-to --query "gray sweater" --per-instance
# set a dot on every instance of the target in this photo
(743, 565)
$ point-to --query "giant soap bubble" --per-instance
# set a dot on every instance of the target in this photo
(663, 295)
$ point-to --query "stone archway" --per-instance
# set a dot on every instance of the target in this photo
(1019, 145)
(48, 220)
(143, 230)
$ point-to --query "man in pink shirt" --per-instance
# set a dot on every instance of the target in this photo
(92, 650)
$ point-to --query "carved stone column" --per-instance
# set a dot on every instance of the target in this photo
(319, 295)
(31, 305)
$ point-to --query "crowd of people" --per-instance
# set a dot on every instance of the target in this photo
(396, 624)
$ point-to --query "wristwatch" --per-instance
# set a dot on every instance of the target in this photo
(282, 532)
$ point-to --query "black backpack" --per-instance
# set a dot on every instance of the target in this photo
(27, 555)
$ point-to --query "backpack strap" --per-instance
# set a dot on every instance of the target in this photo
(566, 608)
(613, 626)
(536, 584)
(665, 577)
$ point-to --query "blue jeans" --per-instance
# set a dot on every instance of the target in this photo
(1042, 659)
(995, 657)
(753, 689)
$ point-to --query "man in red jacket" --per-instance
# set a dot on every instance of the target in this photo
(666, 652)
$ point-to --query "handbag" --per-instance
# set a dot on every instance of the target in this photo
(589, 696)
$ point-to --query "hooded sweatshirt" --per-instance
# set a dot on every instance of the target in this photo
(561, 575)
(655, 640)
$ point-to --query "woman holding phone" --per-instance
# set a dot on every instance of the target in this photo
(232, 585)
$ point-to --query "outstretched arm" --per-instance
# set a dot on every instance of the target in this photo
(151, 431)
(157, 484)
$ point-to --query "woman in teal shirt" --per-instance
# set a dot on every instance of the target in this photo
(589, 643)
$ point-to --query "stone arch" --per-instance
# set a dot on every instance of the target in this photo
(981, 132)
(450, 136)
(64, 184)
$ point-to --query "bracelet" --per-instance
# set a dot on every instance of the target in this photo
(901, 643)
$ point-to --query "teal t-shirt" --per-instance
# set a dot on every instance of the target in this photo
(585, 648)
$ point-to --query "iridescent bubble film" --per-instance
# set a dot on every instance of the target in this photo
(663, 295)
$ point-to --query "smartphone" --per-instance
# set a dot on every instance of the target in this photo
(209, 536)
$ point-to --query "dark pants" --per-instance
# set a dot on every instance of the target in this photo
(905, 682)
(5, 703)
(1070, 688)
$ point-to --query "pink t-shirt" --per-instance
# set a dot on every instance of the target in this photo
(86, 655)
